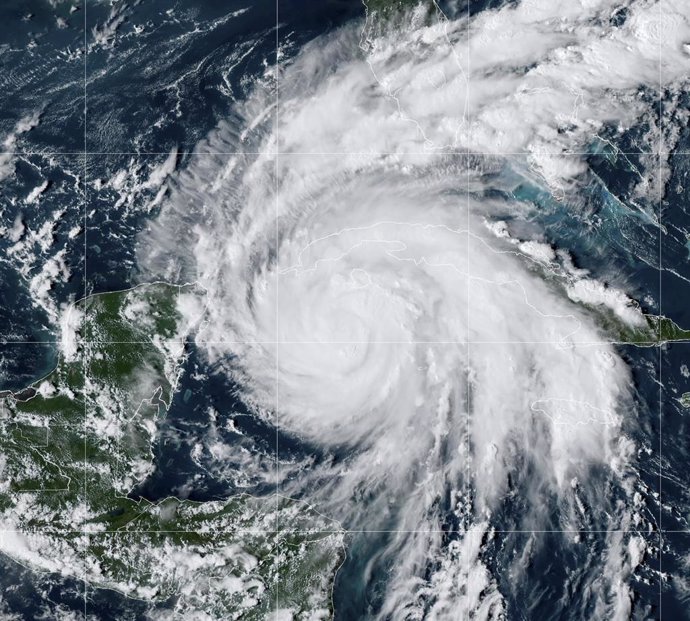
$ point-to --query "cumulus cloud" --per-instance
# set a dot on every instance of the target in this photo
(9, 144)
(362, 296)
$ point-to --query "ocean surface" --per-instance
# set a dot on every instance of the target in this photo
(88, 180)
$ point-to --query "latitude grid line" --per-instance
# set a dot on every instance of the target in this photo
(258, 531)
(562, 343)
(319, 153)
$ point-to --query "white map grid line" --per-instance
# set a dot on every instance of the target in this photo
(468, 224)
(260, 531)
(439, 151)
(467, 153)
(659, 362)
(83, 349)
(277, 302)
(564, 344)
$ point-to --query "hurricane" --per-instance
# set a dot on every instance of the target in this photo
(386, 289)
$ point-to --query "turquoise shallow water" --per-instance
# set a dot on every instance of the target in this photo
(165, 89)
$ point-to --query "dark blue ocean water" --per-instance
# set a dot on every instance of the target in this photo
(165, 88)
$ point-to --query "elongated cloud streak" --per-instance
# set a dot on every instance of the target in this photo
(367, 298)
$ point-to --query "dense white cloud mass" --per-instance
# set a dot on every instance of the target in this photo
(365, 295)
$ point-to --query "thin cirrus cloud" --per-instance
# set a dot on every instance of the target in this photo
(362, 294)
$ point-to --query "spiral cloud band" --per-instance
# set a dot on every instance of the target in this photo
(377, 291)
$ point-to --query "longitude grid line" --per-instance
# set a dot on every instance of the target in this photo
(277, 303)
(661, 312)
(468, 473)
(84, 349)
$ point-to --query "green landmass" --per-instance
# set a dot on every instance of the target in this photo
(76, 443)
(656, 331)
(382, 14)
(386, 6)
(666, 330)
